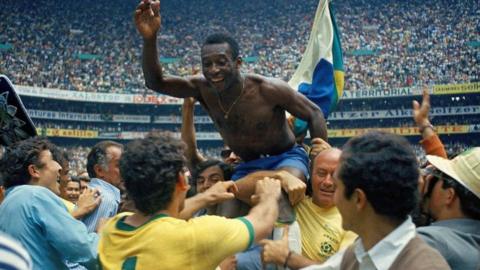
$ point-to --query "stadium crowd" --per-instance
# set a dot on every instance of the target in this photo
(159, 202)
(97, 50)
(348, 219)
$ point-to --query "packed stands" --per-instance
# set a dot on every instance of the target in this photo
(50, 44)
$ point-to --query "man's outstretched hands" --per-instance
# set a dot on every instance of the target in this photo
(267, 188)
(421, 112)
(294, 187)
(220, 192)
(147, 18)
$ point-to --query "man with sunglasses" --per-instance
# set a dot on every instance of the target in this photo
(452, 196)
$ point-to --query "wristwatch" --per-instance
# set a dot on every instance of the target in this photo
(423, 127)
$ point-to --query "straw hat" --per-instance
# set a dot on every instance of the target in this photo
(465, 168)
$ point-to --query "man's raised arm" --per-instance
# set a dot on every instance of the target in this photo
(148, 21)
(299, 106)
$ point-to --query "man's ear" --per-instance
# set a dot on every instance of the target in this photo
(450, 196)
(239, 62)
(33, 171)
(360, 198)
(182, 183)
(97, 168)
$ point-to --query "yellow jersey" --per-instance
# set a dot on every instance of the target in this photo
(321, 229)
(169, 243)
(69, 205)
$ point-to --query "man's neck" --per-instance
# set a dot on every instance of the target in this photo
(234, 91)
(138, 219)
(376, 229)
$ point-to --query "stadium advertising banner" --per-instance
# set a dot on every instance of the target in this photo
(400, 113)
(382, 93)
(72, 95)
(466, 88)
(178, 119)
(70, 133)
(156, 99)
(403, 131)
(167, 100)
(89, 117)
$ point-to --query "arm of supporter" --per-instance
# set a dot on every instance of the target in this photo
(147, 20)
(430, 141)
(221, 191)
(298, 105)
(263, 215)
(188, 133)
(64, 233)
(87, 202)
(290, 179)
(277, 252)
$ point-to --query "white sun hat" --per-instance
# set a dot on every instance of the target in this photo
(465, 168)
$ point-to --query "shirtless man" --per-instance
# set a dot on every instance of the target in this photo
(248, 110)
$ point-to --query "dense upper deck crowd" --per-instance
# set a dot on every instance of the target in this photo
(386, 43)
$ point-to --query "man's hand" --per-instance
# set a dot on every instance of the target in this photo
(221, 191)
(421, 112)
(267, 187)
(318, 145)
(87, 202)
(275, 251)
(294, 187)
(230, 263)
(147, 18)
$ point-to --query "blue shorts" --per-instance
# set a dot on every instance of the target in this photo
(296, 158)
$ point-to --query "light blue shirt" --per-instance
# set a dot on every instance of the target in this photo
(108, 206)
(39, 220)
(380, 256)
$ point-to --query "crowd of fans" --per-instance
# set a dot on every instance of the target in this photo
(411, 43)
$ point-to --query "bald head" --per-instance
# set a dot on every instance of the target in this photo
(330, 153)
(323, 167)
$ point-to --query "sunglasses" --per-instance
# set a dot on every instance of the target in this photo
(225, 153)
(436, 176)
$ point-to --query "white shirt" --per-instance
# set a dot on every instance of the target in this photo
(381, 256)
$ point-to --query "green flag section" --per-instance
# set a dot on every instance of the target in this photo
(168, 60)
(474, 44)
(87, 56)
(250, 59)
(363, 52)
(5, 46)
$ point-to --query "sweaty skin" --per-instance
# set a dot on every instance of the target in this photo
(248, 110)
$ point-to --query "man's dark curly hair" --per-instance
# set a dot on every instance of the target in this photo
(219, 38)
(202, 166)
(17, 158)
(150, 169)
(385, 167)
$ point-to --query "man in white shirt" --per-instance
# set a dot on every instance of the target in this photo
(376, 189)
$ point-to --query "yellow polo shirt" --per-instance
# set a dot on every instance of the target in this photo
(322, 233)
(170, 243)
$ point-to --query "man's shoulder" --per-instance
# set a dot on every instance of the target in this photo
(31, 192)
(107, 190)
(218, 221)
(263, 81)
(419, 255)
